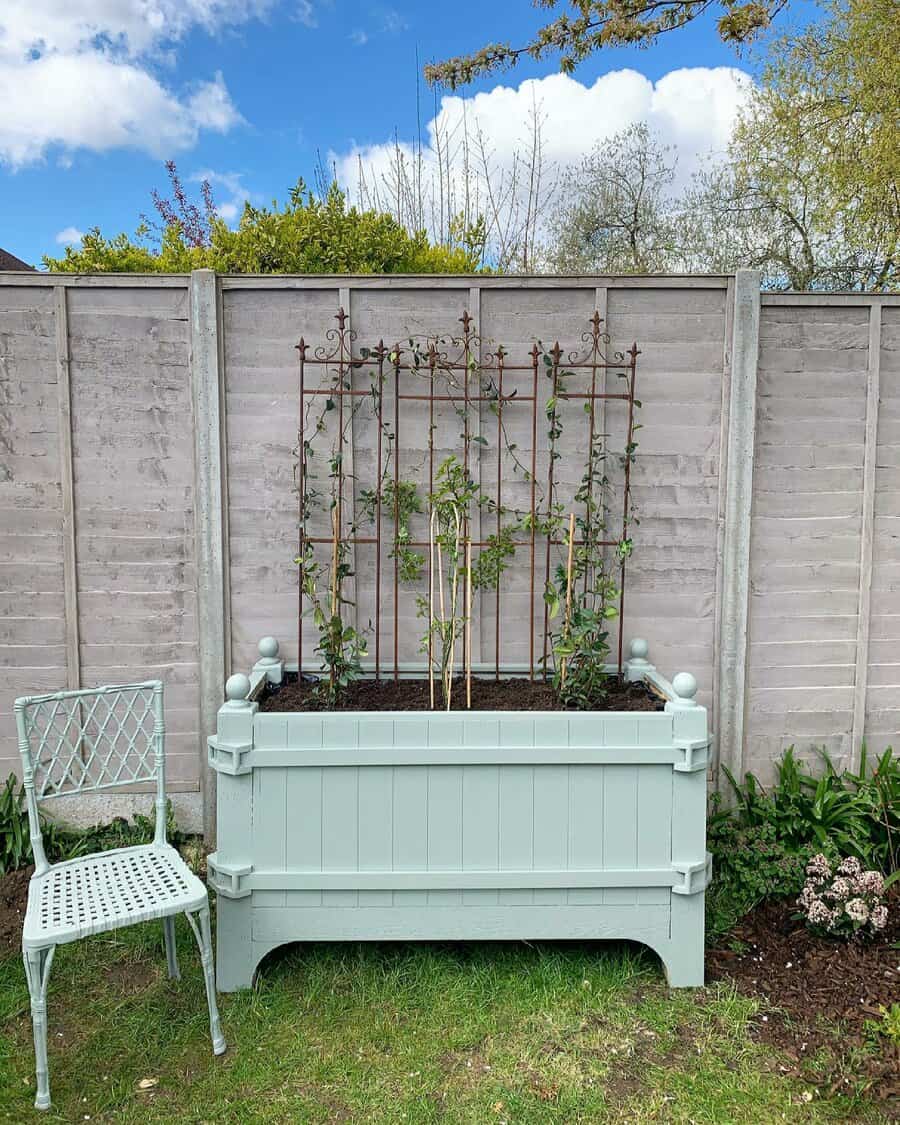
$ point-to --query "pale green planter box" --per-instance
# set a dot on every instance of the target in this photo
(402, 826)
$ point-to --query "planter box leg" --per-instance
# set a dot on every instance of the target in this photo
(235, 959)
(683, 960)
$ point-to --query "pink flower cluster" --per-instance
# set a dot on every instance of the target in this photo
(844, 902)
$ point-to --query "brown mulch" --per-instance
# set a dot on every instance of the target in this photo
(487, 695)
(13, 899)
(818, 994)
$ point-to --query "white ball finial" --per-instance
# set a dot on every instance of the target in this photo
(685, 685)
(639, 649)
(268, 648)
(237, 688)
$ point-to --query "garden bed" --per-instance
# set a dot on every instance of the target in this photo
(823, 997)
(520, 694)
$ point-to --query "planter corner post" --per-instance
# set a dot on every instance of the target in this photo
(684, 963)
(232, 863)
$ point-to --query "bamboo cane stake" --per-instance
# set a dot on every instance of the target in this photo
(469, 624)
(562, 668)
(454, 606)
(431, 608)
(440, 571)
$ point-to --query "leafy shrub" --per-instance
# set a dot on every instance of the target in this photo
(118, 833)
(762, 845)
(60, 843)
(750, 863)
(846, 813)
(310, 233)
(888, 1026)
(845, 902)
(15, 845)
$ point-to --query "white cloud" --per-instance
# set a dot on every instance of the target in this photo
(69, 236)
(392, 23)
(691, 109)
(388, 21)
(306, 14)
(211, 107)
(132, 27)
(80, 74)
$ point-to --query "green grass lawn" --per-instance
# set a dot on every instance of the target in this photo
(394, 1033)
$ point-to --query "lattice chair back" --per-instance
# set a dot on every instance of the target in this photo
(82, 741)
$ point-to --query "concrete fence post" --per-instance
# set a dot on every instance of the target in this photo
(866, 545)
(735, 607)
(207, 397)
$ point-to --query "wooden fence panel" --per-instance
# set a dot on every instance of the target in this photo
(882, 699)
(806, 530)
(32, 606)
(134, 501)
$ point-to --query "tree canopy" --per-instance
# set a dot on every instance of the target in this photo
(589, 25)
(309, 234)
(808, 191)
(616, 212)
(818, 146)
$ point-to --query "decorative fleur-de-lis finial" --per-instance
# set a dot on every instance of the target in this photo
(596, 321)
(341, 318)
(301, 347)
(556, 353)
(535, 352)
(465, 320)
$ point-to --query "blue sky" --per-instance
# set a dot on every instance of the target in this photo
(99, 92)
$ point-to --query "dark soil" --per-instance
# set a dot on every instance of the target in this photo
(13, 900)
(819, 994)
(487, 695)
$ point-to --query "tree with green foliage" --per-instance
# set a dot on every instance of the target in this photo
(816, 157)
(616, 212)
(590, 25)
(809, 192)
(310, 234)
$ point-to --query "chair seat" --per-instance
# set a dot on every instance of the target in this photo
(96, 893)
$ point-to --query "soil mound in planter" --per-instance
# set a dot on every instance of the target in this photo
(825, 995)
(487, 695)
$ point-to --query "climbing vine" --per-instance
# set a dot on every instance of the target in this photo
(429, 529)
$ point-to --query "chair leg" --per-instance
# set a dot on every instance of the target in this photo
(171, 953)
(204, 939)
(37, 972)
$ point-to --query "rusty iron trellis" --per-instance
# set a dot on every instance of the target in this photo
(456, 360)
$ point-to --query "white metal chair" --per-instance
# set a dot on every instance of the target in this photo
(80, 741)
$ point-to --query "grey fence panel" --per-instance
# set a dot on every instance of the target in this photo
(260, 331)
(32, 600)
(134, 501)
(813, 610)
(882, 701)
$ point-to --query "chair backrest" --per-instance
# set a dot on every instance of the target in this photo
(82, 741)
